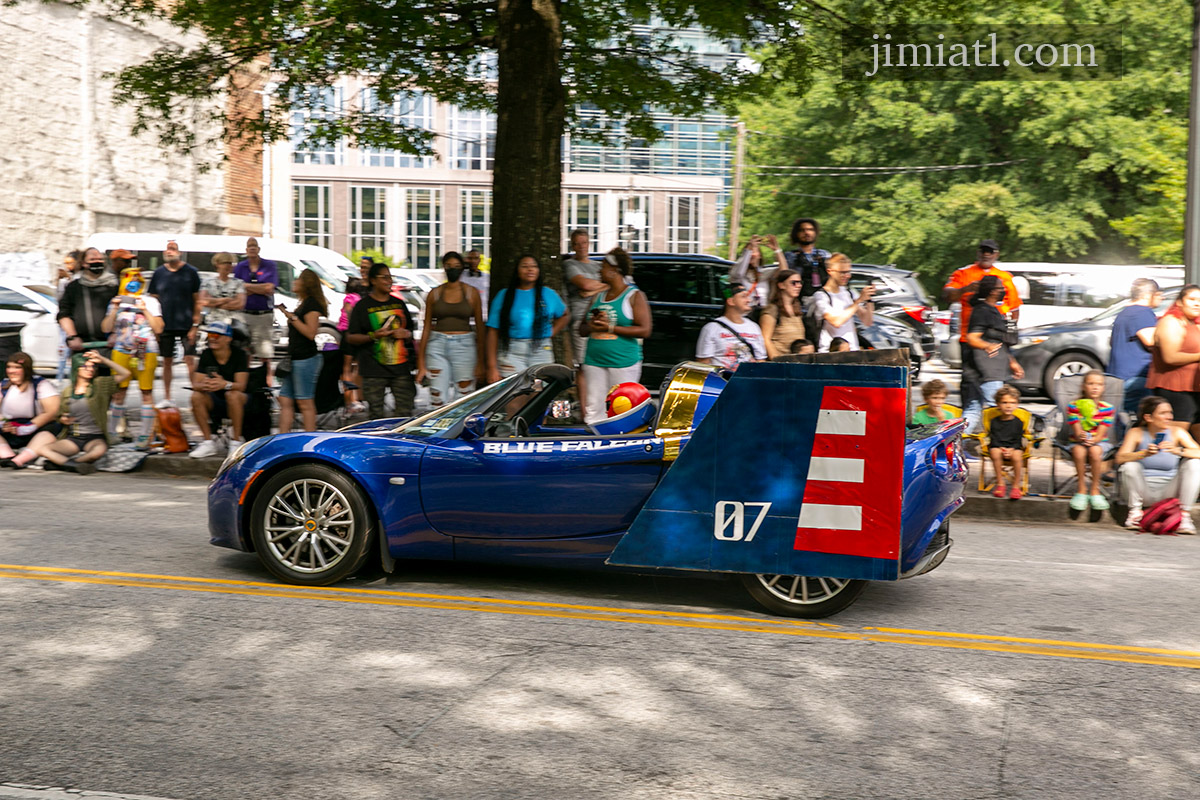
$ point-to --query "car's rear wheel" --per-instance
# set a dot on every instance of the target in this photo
(311, 525)
(1066, 365)
(328, 338)
(801, 596)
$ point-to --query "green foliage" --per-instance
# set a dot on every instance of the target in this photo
(1083, 171)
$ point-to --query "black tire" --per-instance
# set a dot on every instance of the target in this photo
(335, 530)
(783, 594)
(1067, 364)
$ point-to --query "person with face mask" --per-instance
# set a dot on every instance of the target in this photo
(84, 305)
(451, 352)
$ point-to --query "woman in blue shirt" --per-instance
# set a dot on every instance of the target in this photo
(519, 322)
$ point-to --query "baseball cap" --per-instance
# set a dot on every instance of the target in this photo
(733, 289)
(125, 254)
(989, 244)
(219, 328)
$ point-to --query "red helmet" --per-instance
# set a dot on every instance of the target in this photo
(625, 396)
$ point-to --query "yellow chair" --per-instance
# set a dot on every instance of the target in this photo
(952, 411)
(1032, 439)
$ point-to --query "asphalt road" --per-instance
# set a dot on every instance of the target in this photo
(1036, 662)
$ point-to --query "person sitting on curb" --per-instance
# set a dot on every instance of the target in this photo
(85, 414)
(219, 388)
(1158, 460)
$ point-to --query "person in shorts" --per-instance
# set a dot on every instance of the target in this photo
(259, 277)
(135, 322)
(176, 286)
(219, 388)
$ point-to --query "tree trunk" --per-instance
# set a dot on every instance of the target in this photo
(530, 118)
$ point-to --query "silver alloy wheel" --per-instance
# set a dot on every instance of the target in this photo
(801, 589)
(1069, 368)
(309, 525)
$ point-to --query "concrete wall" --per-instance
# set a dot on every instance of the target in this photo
(70, 163)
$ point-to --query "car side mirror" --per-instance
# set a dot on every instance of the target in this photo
(475, 426)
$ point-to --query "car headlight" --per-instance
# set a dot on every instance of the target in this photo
(1032, 340)
(242, 450)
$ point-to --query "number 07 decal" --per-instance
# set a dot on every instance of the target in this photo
(731, 513)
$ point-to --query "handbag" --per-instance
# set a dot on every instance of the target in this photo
(1162, 518)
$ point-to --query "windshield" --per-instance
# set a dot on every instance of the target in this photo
(443, 419)
(1169, 296)
(335, 280)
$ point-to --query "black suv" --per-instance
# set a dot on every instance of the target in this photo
(685, 294)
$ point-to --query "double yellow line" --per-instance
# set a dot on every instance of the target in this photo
(633, 616)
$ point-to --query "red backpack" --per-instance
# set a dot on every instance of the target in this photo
(1163, 517)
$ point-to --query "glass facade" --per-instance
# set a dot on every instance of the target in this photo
(683, 224)
(367, 218)
(472, 142)
(633, 216)
(326, 105)
(415, 111)
(475, 220)
(311, 223)
(583, 211)
(424, 227)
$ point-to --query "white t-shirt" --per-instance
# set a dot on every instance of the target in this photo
(825, 301)
(20, 405)
(133, 332)
(727, 350)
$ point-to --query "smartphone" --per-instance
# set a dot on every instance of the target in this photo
(212, 372)
(1160, 437)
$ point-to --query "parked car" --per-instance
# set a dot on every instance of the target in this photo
(33, 306)
(899, 296)
(315, 507)
(1050, 352)
(685, 294)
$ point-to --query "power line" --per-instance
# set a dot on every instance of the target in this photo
(830, 172)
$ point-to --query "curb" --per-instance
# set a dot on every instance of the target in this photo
(180, 465)
(1027, 509)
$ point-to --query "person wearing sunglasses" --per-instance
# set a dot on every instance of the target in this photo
(782, 320)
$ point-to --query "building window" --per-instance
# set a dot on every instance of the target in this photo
(472, 138)
(412, 111)
(683, 223)
(583, 212)
(310, 215)
(424, 227)
(367, 217)
(633, 217)
(476, 216)
(309, 109)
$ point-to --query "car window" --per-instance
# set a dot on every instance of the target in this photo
(13, 301)
(443, 419)
(332, 280)
(860, 280)
(674, 282)
(286, 274)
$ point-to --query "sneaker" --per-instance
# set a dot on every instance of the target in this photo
(1186, 525)
(1099, 502)
(83, 467)
(6, 463)
(1134, 520)
(205, 449)
(234, 444)
(50, 466)
(1079, 501)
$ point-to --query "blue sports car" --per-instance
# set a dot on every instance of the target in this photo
(802, 479)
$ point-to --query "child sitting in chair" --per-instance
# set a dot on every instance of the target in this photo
(1006, 442)
(935, 393)
(1090, 420)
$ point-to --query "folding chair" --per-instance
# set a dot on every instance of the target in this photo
(1066, 391)
(1032, 438)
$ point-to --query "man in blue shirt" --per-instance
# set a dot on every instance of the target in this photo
(261, 275)
(1132, 338)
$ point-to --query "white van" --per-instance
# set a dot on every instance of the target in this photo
(1068, 292)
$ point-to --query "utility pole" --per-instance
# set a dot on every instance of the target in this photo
(739, 157)
(1191, 223)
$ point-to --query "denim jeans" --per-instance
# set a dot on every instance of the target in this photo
(974, 411)
(522, 354)
(450, 360)
(1135, 390)
(301, 382)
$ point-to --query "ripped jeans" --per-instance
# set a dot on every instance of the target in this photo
(522, 354)
(450, 361)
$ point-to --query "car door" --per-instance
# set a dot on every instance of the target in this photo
(682, 300)
(538, 487)
(39, 337)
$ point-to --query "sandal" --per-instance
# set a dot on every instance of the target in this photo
(999, 491)
(1016, 493)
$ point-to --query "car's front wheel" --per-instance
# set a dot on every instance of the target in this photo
(801, 596)
(311, 525)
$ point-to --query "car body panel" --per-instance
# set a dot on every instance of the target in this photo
(568, 497)
(22, 303)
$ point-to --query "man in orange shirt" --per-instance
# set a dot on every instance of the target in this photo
(963, 283)
(961, 289)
